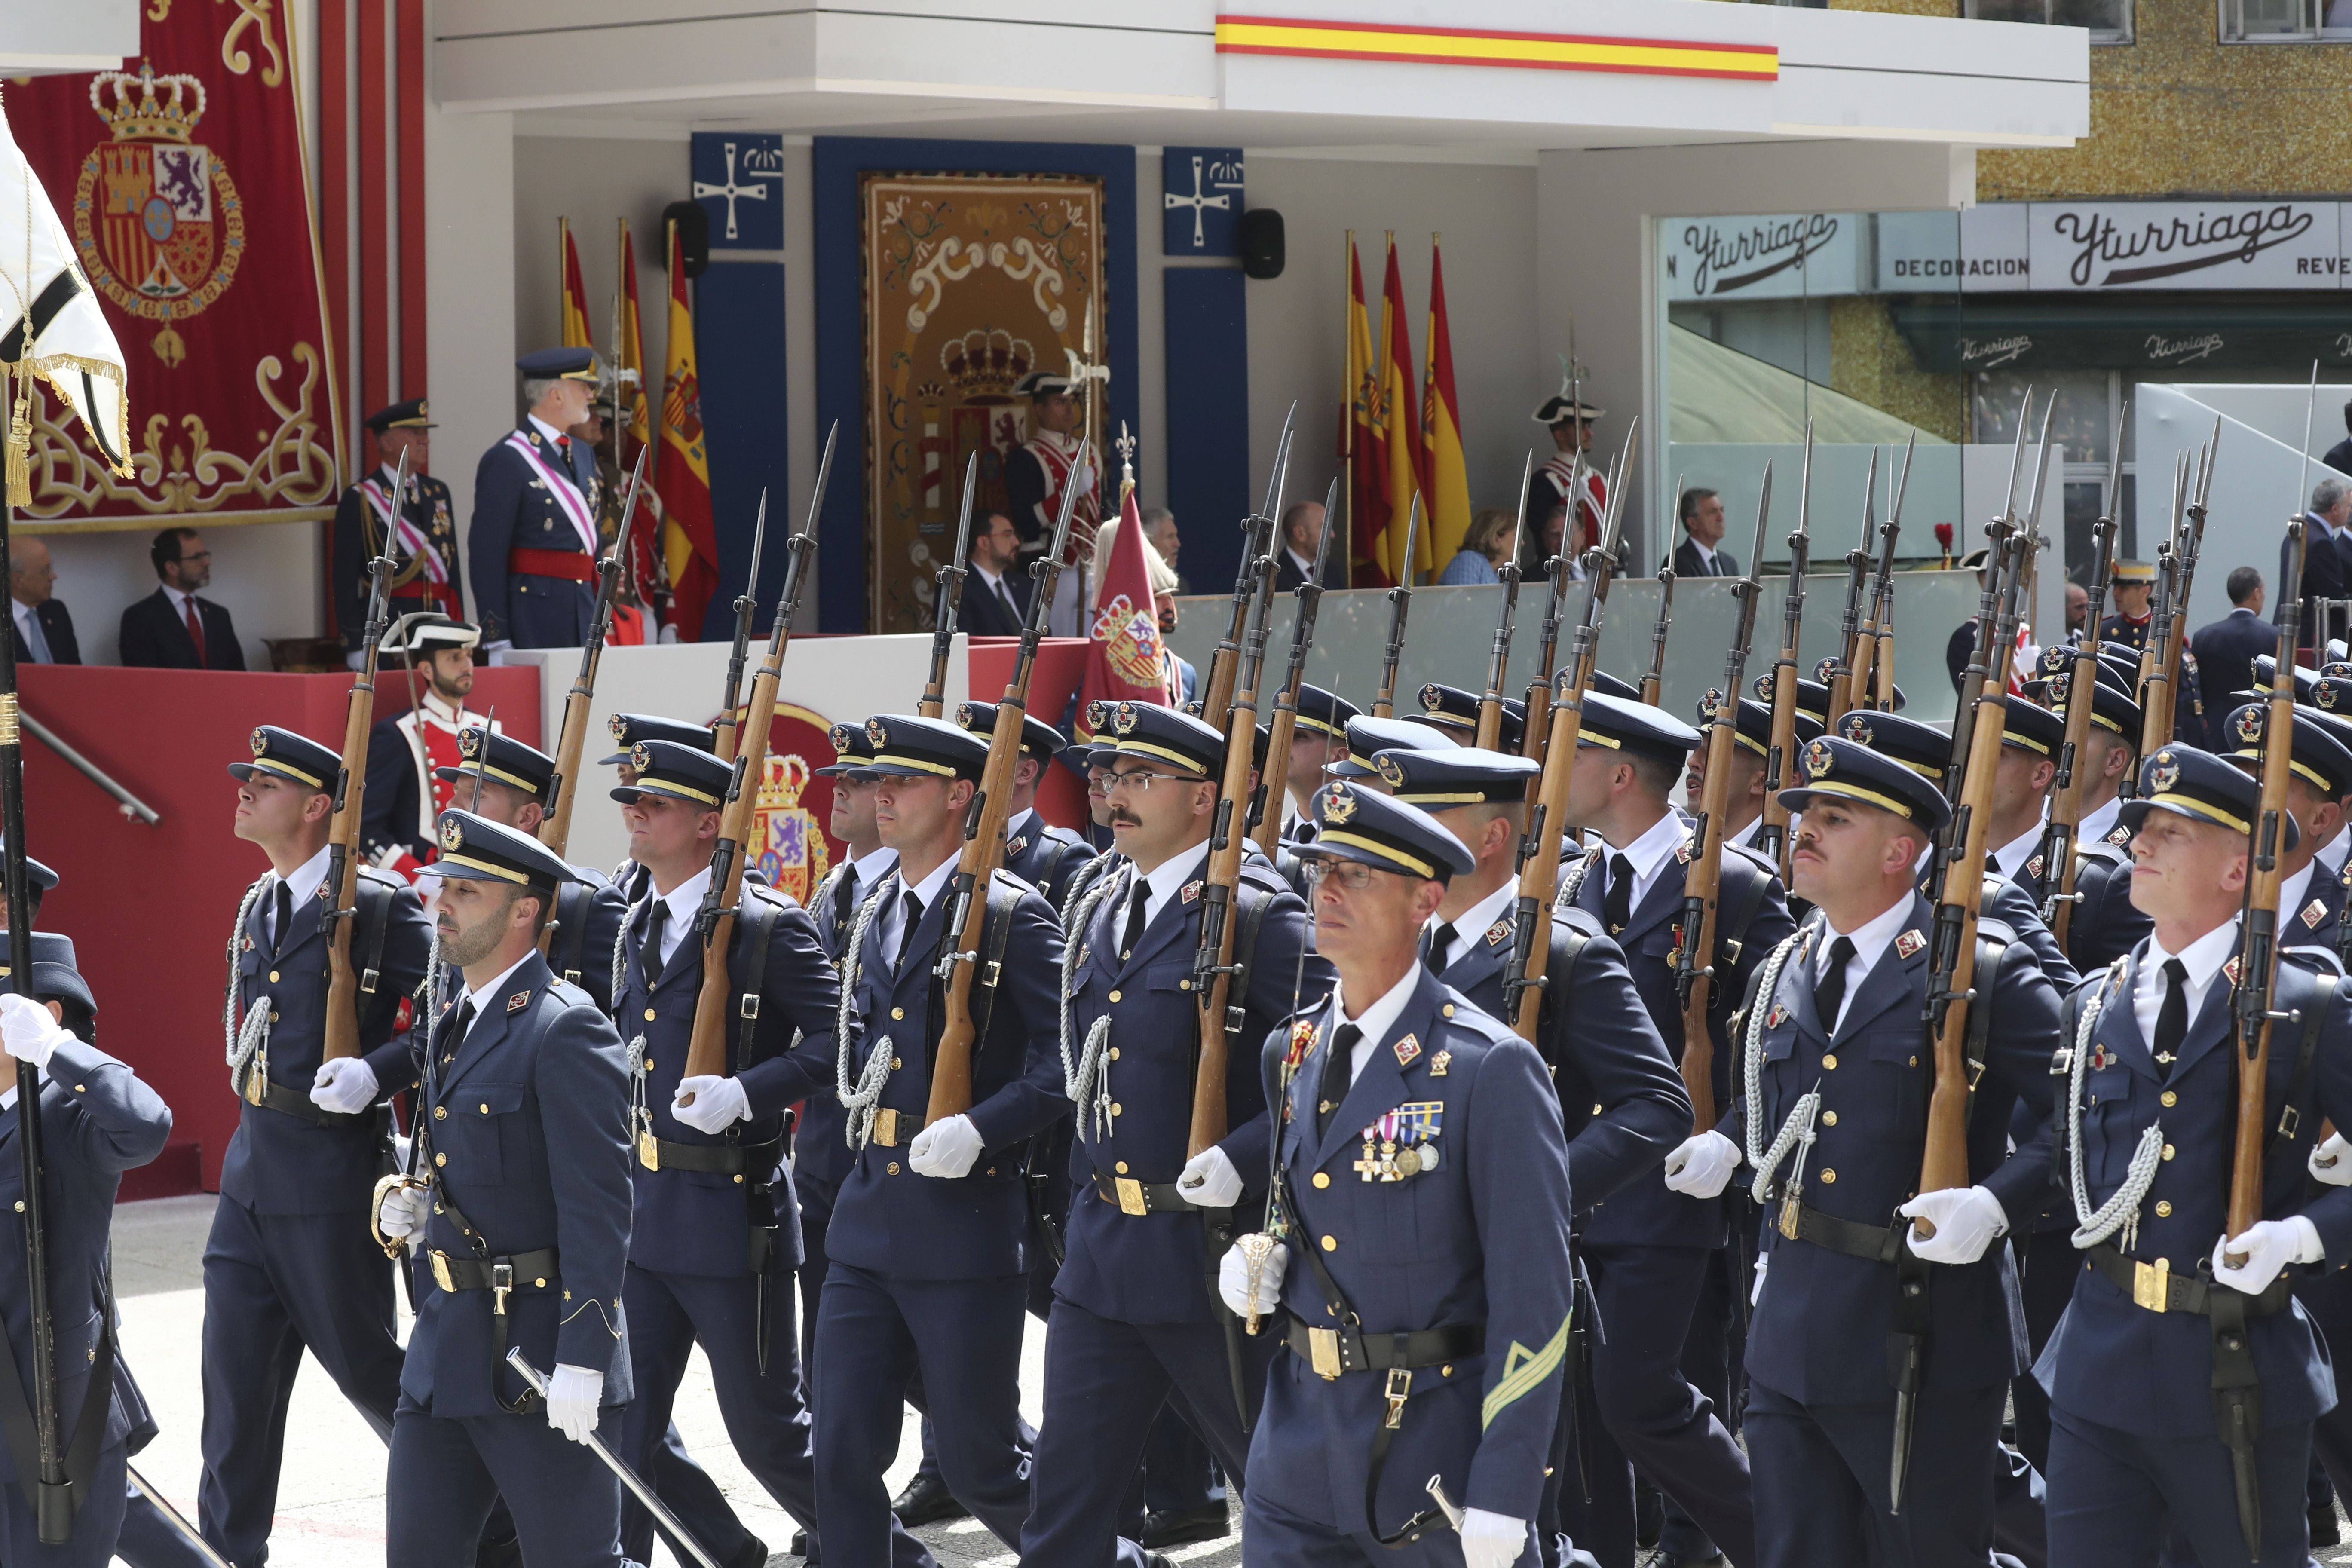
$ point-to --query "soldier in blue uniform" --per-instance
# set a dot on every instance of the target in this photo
(1664, 1286)
(1133, 1323)
(289, 1266)
(1838, 1070)
(1368, 738)
(1319, 738)
(425, 542)
(532, 545)
(2105, 925)
(1751, 746)
(517, 1204)
(1456, 711)
(97, 1120)
(1039, 853)
(627, 729)
(930, 1242)
(2311, 903)
(1416, 1262)
(2171, 1325)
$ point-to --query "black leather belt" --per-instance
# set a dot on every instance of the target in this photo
(1140, 1197)
(1877, 1243)
(523, 1271)
(2155, 1287)
(270, 1095)
(1331, 1352)
(719, 1159)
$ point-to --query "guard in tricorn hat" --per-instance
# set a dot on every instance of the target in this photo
(433, 656)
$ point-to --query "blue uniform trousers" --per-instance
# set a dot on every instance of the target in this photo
(549, 612)
(95, 1528)
(1707, 1366)
(875, 1333)
(149, 1539)
(686, 1489)
(2111, 1493)
(2329, 1302)
(1821, 1473)
(1274, 1537)
(446, 1471)
(275, 1285)
(1180, 1470)
(2049, 1263)
(1640, 1410)
(1105, 1385)
(816, 1217)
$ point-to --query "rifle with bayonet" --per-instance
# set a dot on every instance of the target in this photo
(1489, 733)
(2156, 666)
(1694, 969)
(947, 597)
(2075, 690)
(1837, 675)
(1992, 662)
(1400, 606)
(1524, 979)
(1257, 546)
(2187, 544)
(728, 725)
(706, 1050)
(1876, 644)
(1655, 682)
(555, 826)
(1772, 840)
(983, 841)
(1281, 725)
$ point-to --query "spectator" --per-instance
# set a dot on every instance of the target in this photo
(1700, 510)
(995, 604)
(1302, 529)
(1159, 527)
(1179, 680)
(2078, 608)
(2325, 543)
(1484, 548)
(2339, 455)
(45, 628)
(1555, 523)
(172, 628)
(2226, 650)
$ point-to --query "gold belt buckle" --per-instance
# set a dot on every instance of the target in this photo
(1130, 1195)
(1792, 1216)
(648, 1150)
(1323, 1354)
(886, 1129)
(1399, 1386)
(441, 1272)
(2152, 1285)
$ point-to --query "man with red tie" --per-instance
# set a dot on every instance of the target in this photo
(172, 628)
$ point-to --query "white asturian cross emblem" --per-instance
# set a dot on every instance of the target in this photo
(1199, 200)
(757, 190)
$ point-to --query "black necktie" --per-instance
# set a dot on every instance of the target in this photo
(912, 915)
(285, 917)
(1134, 920)
(1336, 1076)
(845, 902)
(455, 1036)
(1004, 597)
(2172, 1019)
(1829, 995)
(650, 960)
(1441, 942)
(1617, 903)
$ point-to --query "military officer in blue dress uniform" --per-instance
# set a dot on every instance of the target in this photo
(1751, 746)
(533, 545)
(288, 1266)
(517, 1204)
(2105, 924)
(97, 1120)
(1039, 853)
(425, 542)
(1456, 711)
(1367, 738)
(2173, 1327)
(930, 1242)
(2311, 903)
(1838, 1069)
(627, 729)
(1319, 738)
(1416, 1265)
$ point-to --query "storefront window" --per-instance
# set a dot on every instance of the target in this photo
(2286, 21)
(2110, 21)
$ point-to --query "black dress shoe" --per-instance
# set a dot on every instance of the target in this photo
(2324, 1529)
(1154, 1560)
(1183, 1526)
(752, 1554)
(926, 1500)
(799, 1547)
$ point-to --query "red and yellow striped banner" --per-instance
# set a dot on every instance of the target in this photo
(1239, 34)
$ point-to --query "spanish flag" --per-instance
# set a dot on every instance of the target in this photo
(1361, 438)
(629, 353)
(689, 540)
(1444, 479)
(1399, 429)
(575, 292)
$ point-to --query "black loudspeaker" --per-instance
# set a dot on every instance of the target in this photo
(1262, 243)
(693, 235)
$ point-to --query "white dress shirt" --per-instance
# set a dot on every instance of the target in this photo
(1648, 854)
(480, 994)
(866, 872)
(2099, 821)
(305, 883)
(180, 602)
(685, 903)
(1705, 557)
(1376, 1020)
(1870, 943)
(28, 626)
(2202, 958)
(1159, 889)
(893, 918)
(1473, 923)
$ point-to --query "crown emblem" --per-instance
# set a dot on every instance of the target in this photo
(782, 782)
(1821, 760)
(1856, 728)
(2248, 723)
(2163, 773)
(148, 117)
(1763, 687)
(876, 732)
(1390, 771)
(1431, 700)
(469, 743)
(453, 832)
(1713, 704)
(619, 724)
(641, 756)
(983, 365)
(260, 742)
(843, 737)
(965, 717)
(1124, 717)
(1339, 805)
(2326, 696)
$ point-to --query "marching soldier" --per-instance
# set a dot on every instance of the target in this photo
(424, 534)
(1035, 472)
(519, 1208)
(627, 729)
(288, 1266)
(2167, 1313)
(929, 1244)
(1839, 1070)
(2133, 580)
(1752, 745)
(2114, 737)
(1040, 854)
(2031, 738)
(1455, 711)
(2310, 903)
(1417, 1266)
(1132, 1320)
(1319, 738)
(1661, 1277)
(407, 789)
(533, 545)
(1367, 738)
(1570, 421)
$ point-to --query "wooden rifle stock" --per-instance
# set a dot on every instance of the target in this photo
(555, 826)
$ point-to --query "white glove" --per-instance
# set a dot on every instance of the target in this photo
(344, 1086)
(718, 1103)
(2268, 1246)
(1210, 1180)
(28, 1030)
(945, 1149)
(1234, 1281)
(574, 1395)
(1700, 1166)
(1756, 1291)
(1491, 1540)
(404, 1211)
(2328, 1162)
(1967, 1219)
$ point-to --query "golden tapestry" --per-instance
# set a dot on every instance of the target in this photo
(970, 283)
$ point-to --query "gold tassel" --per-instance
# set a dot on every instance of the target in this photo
(20, 445)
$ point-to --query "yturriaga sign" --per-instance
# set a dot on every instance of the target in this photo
(2094, 247)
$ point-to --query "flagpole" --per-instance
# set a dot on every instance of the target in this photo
(1348, 402)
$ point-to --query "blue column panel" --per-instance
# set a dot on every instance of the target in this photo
(739, 340)
(1206, 466)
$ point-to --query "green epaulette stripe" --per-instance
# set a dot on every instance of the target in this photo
(1524, 1369)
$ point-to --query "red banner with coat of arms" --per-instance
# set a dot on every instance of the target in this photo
(182, 181)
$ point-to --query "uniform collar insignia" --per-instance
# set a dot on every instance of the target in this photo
(1909, 942)
(2034, 866)
(1407, 1050)
(1681, 854)
(2231, 969)
(1777, 1016)
(1497, 932)
(2119, 835)
(518, 1002)
(1017, 846)
(1439, 1063)
(2314, 913)
(1191, 891)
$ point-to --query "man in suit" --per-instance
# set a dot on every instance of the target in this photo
(424, 537)
(532, 547)
(1700, 510)
(1302, 528)
(995, 602)
(45, 628)
(2327, 537)
(172, 628)
(2226, 650)
(2339, 455)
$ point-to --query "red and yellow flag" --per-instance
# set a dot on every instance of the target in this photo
(1445, 478)
(689, 540)
(1123, 656)
(636, 425)
(1401, 428)
(575, 292)
(1362, 439)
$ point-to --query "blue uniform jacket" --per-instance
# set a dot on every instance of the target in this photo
(1819, 1331)
(1646, 1213)
(2117, 1363)
(514, 510)
(699, 1222)
(2318, 921)
(1148, 1269)
(1612, 1060)
(1046, 857)
(528, 1118)
(2017, 904)
(2106, 923)
(590, 912)
(280, 1163)
(889, 1220)
(1481, 1239)
(97, 1120)
(821, 1141)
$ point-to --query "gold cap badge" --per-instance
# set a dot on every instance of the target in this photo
(2164, 772)
(1820, 760)
(1338, 804)
(1393, 775)
(878, 732)
(641, 756)
(261, 742)
(1856, 728)
(469, 743)
(619, 724)
(843, 737)
(453, 833)
(2248, 723)
(965, 717)
(1124, 719)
